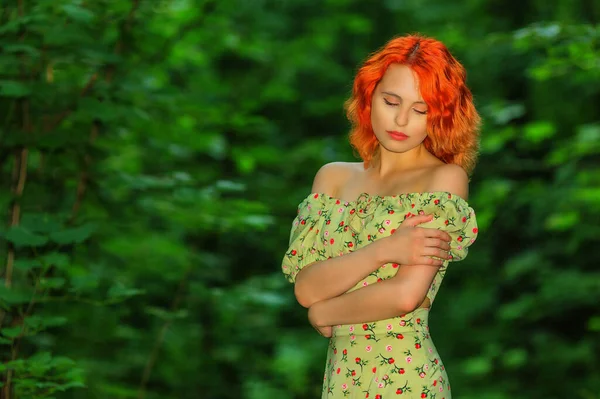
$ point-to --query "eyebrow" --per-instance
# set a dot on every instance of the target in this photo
(389, 93)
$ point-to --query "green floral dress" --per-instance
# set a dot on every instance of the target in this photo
(392, 357)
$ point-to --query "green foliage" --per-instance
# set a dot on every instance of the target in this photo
(153, 154)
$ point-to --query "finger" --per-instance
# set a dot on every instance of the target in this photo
(429, 261)
(437, 243)
(416, 220)
(424, 262)
(435, 233)
(440, 253)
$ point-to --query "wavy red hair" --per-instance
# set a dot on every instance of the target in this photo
(452, 120)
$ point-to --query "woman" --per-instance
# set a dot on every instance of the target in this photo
(371, 244)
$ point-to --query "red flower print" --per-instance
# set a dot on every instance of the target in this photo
(338, 370)
(303, 222)
(418, 321)
(341, 223)
(391, 212)
(399, 391)
(446, 222)
(459, 239)
(399, 336)
(437, 201)
(345, 352)
(357, 360)
(436, 361)
(350, 245)
(418, 346)
(335, 351)
(391, 360)
(434, 382)
(401, 371)
(352, 211)
(392, 231)
(423, 395)
(368, 336)
(353, 373)
(328, 222)
(464, 219)
(395, 265)
(365, 327)
(331, 241)
(449, 195)
(374, 370)
(377, 396)
(337, 202)
(294, 252)
(475, 230)
(316, 195)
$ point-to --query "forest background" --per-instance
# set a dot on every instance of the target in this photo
(153, 154)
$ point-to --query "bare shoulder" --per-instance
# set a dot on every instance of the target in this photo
(450, 178)
(333, 175)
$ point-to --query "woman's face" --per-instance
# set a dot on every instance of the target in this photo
(398, 112)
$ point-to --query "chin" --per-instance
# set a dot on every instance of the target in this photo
(396, 146)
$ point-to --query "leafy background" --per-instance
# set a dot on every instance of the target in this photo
(153, 153)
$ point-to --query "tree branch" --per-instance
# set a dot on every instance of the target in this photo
(161, 336)
(19, 177)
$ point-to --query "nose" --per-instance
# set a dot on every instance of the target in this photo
(402, 117)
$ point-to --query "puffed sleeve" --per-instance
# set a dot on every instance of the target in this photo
(453, 215)
(304, 244)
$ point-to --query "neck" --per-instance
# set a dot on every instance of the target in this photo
(388, 163)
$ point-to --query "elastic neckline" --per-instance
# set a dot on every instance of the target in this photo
(386, 197)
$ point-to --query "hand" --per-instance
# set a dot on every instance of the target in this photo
(326, 331)
(412, 245)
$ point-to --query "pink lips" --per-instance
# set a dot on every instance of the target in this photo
(397, 135)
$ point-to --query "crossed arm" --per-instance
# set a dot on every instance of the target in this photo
(329, 305)
(322, 286)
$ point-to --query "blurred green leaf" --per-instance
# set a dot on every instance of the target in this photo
(22, 237)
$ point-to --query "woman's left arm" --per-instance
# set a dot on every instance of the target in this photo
(398, 295)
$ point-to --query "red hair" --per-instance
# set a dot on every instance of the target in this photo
(452, 120)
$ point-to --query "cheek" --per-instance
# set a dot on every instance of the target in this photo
(421, 127)
(377, 117)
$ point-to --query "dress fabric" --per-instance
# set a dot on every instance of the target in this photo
(388, 358)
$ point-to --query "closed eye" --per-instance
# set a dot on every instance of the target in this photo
(390, 103)
(420, 112)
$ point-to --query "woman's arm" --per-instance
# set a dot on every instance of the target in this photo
(334, 276)
(401, 294)
(407, 245)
